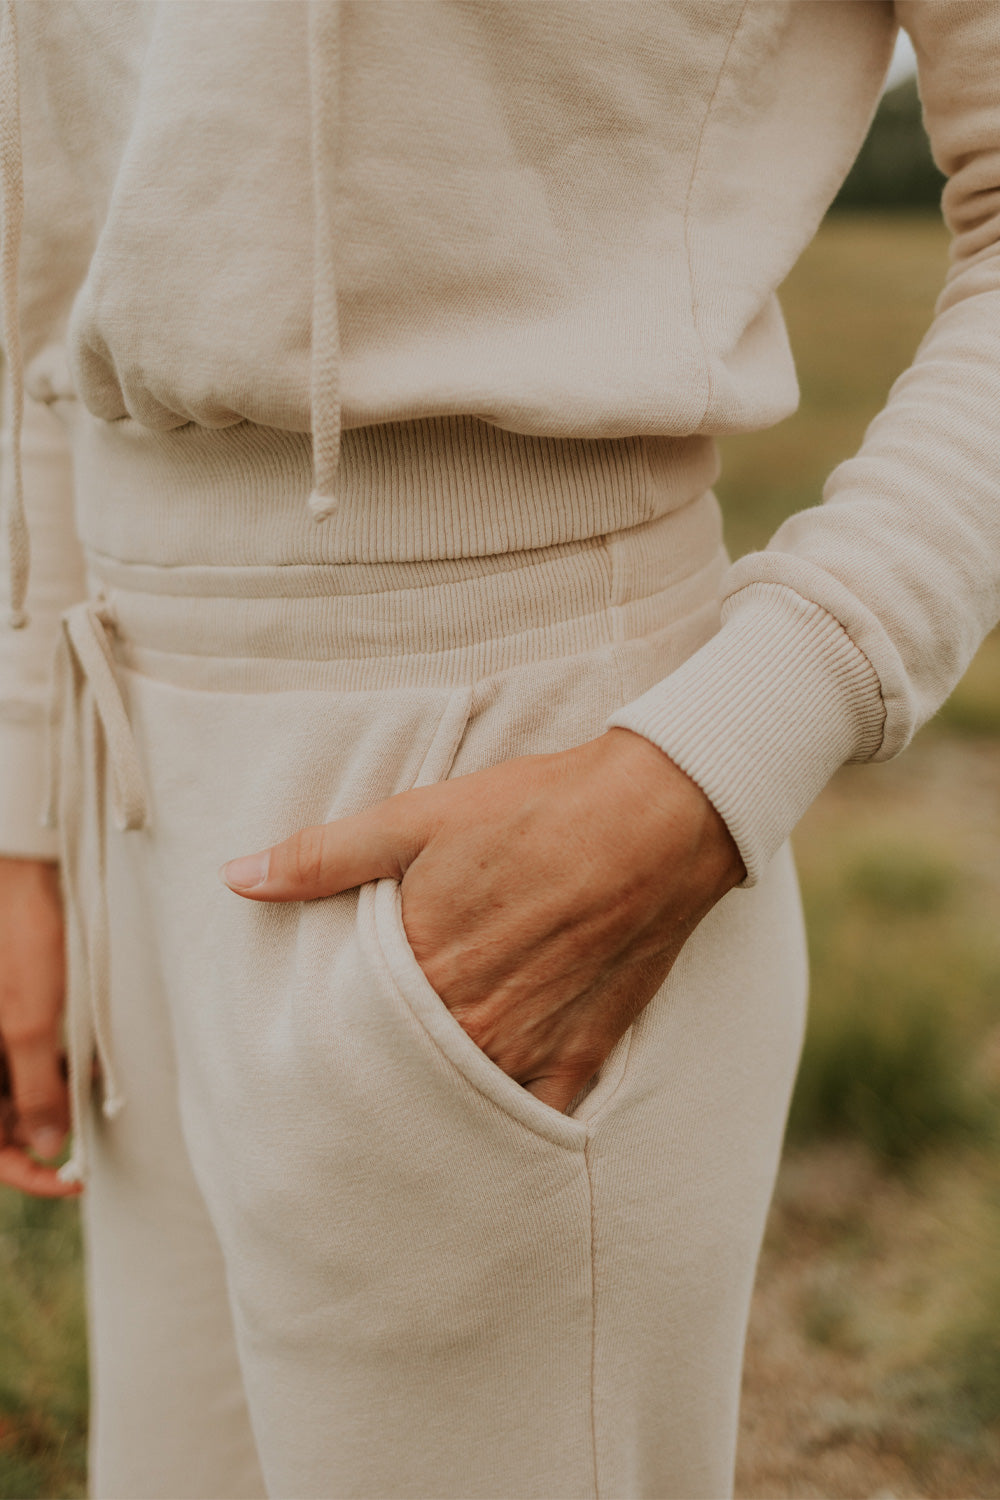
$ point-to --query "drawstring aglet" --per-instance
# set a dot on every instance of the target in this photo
(18, 619)
(322, 507)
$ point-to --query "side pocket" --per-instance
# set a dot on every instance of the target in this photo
(380, 920)
(380, 911)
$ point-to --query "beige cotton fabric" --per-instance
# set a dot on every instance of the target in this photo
(391, 344)
(564, 223)
(323, 1227)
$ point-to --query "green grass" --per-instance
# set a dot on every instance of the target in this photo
(43, 1373)
(884, 1067)
(974, 707)
(905, 977)
(969, 1349)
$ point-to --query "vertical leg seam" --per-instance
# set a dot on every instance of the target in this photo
(593, 1320)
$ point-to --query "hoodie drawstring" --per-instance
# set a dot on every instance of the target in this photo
(12, 214)
(324, 109)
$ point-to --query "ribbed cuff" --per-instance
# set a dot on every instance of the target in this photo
(763, 714)
(22, 792)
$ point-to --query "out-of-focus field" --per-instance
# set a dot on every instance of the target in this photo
(43, 1374)
(873, 1364)
(874, 1357)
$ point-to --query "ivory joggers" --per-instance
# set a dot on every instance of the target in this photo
(333, 1251)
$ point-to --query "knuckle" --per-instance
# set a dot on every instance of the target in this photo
(37, 1098)
(40, 1113)
(29, 1032)
(585, 1062)
(305, 855)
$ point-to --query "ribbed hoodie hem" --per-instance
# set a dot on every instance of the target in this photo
(416, 491)
(763, 714)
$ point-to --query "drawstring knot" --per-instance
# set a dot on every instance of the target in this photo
(322, 507)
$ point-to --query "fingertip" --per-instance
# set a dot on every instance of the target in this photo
(246, 873)
(18, 1171)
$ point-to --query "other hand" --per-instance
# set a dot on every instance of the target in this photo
(34, 1102)
(545, 899)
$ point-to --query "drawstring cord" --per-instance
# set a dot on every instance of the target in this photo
(12, 212)
(324, 111)
(89, 730)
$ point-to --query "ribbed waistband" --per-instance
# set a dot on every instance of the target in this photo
(360, 626)
(417, 491)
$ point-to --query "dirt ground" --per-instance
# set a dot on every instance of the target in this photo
(833, 1404)
(844, 1392)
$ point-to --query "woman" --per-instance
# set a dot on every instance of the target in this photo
(429, 1154)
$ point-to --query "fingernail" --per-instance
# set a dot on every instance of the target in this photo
(247, 872)
(47, 1143)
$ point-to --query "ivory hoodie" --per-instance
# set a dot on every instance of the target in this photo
(565, 221)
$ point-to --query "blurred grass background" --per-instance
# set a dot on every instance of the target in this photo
(873, 1365)
(43, 1371)
(874, 1357)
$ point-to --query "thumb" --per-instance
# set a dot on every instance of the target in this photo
(331, 857)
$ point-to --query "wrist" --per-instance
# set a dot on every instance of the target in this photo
(670, 798)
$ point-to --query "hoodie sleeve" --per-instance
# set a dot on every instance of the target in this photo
(57, 581)
(853, 626)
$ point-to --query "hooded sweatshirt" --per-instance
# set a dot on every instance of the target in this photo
(562, 221)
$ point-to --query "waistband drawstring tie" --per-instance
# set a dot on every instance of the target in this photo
(14, 525)
(89, 735)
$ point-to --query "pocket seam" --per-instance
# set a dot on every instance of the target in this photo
(448, 735)
(590, 1121)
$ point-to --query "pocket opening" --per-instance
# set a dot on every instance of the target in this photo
(384, 902)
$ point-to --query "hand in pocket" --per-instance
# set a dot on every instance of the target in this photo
(545, 899)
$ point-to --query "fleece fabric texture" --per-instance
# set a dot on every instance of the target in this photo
(559, 225)
(333, 1250)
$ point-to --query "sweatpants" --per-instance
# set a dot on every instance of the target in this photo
(332, 1249)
